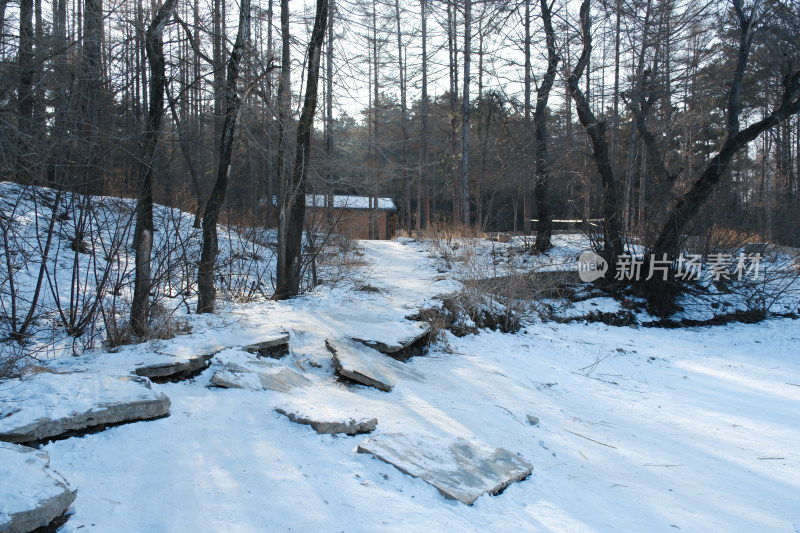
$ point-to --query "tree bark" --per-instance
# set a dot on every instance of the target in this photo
(544, 228)
(24, 161)
(288, 280)
(143, 233)
(465, 114)
(206, 292)
(403, 121)
(425, 210)
(596, 130)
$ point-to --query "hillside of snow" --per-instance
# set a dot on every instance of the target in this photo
(627, 428)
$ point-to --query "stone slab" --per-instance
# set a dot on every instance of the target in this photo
(175, 369)
(406, 334)
(258, 377)
(367, 366)
(329, 423)
(49, 405)
(460, 469)
(274, 346)
(31, 495)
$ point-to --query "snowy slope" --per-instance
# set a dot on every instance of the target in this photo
(639, 429)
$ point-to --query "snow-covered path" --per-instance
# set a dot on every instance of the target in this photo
(691, 430)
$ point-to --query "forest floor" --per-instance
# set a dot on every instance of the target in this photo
(640, 429)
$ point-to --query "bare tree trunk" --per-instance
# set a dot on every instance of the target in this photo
(527, 126)
(288, 281)
(596, 130)
(329, 203)
(206, 292)
(143, 233)
(284, 109)
(91, 72)
(452, 48)
(425, 210)
(465, 114)
(403, 121)
(544, 228)
(25, 59)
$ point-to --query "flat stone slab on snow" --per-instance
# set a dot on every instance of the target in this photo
(49, 405)
(369, 367)
(327, 421)
(258, 375)
(175, 367)
(274, 346)
(459, 469)
(401, 335)
(384, 333)
(31, 495)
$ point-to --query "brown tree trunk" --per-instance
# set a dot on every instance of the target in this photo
(143, 233)
(206, 292)
(596, 130)
(544, 228)
(403, 122)
(425, 210)
(288, 280)
(24, 161)
(465, 115)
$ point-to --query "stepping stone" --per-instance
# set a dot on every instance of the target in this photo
(326, 421)
(384, 333)
(31, 495)
(459, 469)
(51, 405)
(405, 334)
(276, 346)
(175, 367)
(369, 367)
(236, 376)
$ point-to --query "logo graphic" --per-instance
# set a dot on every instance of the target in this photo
(591, 267)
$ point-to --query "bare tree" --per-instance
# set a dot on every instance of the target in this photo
(206, 292)
(290, 250)
(596, 130)
(544, 228)
(143, 234)
(465, 114)
(687, 206)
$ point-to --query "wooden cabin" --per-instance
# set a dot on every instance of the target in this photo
(352, 215)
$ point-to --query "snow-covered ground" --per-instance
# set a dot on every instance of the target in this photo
(639, 429)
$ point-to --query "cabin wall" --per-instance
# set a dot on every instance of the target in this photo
(354, 223)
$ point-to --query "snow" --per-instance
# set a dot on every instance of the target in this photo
(640, 429)
(27, 480)
(46, 402)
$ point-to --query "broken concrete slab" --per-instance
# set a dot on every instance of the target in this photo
(275, 346)
(258, 377)
(460, 469)
(49, 405)
(175, 370)
(31, 494)
(325, 422)
(408, 334)
(361, 363)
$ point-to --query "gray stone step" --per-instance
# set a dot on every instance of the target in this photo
(460, 469)
(367, 366)
(49, 405)
(31, 494)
